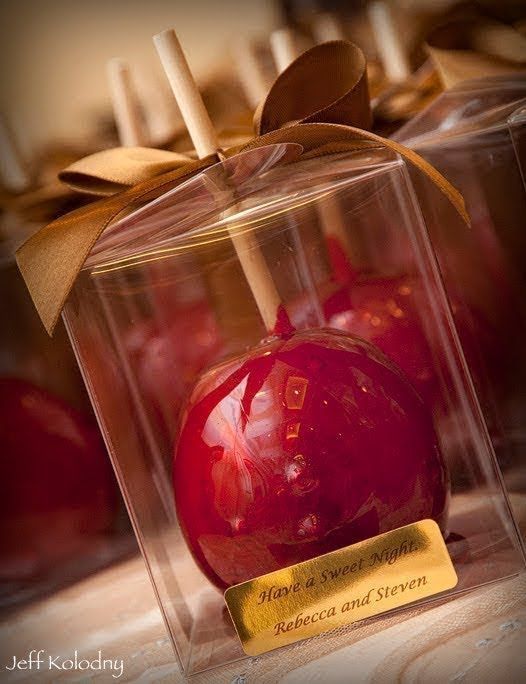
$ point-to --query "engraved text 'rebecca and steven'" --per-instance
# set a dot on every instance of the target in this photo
(343, 586)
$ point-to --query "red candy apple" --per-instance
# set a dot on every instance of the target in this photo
(58, 490)
(384, 311)
(310, 442)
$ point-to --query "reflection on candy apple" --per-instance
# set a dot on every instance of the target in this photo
(308, 443)
(58, 489)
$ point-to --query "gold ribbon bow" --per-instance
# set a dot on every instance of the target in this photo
(111, 171)
(320, 102)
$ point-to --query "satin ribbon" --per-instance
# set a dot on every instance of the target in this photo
(111, 171)
(320, 102)
(469, 44)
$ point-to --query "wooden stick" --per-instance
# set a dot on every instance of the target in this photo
(389, 43)
(327, 27)
(126, 108)
(186, 93)
(14, 172)
(283, 46)
(205, 142)
(249, 71)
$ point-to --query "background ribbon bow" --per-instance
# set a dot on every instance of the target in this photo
(320, 102)
(470, 42)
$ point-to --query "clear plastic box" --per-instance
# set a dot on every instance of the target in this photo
(62, 515)
(316, 434)
(517, 126)
(472, 135)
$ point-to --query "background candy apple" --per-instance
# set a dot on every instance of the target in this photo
(58, 491)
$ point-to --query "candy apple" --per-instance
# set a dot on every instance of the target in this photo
(58, 488)
(310, 442)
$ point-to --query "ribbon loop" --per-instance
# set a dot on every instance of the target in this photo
(110, 171)
(329, 85)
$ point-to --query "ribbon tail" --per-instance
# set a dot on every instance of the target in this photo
(320, 138)
(425, 167)
(64, 242)
(51, 260)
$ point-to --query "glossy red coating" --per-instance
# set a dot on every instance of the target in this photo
(304, 445)
(57, 484)
(385, 311)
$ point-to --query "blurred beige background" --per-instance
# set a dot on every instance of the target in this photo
(53, 53)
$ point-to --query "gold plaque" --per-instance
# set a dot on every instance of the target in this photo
(343, 586)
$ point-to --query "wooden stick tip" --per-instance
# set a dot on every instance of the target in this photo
(163, 37)
(116, 67)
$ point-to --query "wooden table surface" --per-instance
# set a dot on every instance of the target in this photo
(478, 638)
